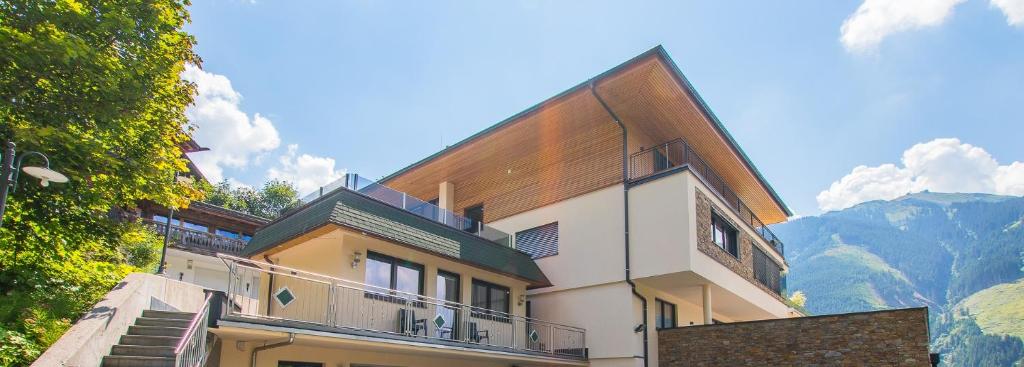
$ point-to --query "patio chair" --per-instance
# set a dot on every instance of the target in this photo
(409, 324)
(476, 335)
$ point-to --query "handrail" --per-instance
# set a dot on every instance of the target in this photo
(292, 272)
(192, 338)
(675, 153)
(323, 301)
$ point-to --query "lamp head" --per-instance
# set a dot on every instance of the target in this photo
(45, 175)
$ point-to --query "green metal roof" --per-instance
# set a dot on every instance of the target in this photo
(349, 209)
(660, 52)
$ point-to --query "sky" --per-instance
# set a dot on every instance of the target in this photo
(835, 102)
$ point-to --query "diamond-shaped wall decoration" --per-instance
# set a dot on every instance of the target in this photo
(439, 321)
(284, 297)
(534, 336)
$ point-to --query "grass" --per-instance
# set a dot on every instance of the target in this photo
(998, 309)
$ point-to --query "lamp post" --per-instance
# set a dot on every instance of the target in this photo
(167, 235)
(10, 170)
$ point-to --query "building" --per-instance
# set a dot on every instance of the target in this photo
(552, 184)
(591, 229)
(198, 233)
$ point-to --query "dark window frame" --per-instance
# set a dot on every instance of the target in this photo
(660, 306)
(394, 263)
(488, 312)
(557, 240)
(299, 364)
(458, 283)
(730, 234)
(454, 306)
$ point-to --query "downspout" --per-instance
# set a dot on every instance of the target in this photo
(270, 284)
(625, 201)
(291, 339)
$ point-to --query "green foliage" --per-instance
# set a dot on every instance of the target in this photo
(16, 348)
(140, 246)
(966, 345)
(93, 84)
(270, 201)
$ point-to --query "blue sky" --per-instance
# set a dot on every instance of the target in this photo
(376, 85)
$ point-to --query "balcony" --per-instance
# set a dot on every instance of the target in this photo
(316, 302)
(676, 153)
(413, 205)
(191, 239)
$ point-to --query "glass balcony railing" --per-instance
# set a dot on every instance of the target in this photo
(676, 153)
(412, 204)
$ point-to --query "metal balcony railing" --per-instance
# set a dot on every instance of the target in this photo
(193, 239)
(412, 204)
(303, 298)
(676, 153)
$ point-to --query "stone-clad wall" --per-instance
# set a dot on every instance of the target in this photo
(744, 266)
(880, 338)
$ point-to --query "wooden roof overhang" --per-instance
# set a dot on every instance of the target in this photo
(650, 96)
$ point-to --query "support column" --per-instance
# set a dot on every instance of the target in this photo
(706, 292)
(446, 196)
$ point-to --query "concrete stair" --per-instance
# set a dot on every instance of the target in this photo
(150, 342)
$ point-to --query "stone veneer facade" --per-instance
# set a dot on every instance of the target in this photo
(744, 266)
(880, 338)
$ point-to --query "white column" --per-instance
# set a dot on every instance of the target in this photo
(446, 196)
(706, 292)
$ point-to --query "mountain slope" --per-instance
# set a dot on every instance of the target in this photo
(959, 254)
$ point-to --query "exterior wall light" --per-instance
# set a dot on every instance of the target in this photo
(356, 258)
(10, 170)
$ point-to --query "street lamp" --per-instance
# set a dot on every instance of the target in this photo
(10, 170)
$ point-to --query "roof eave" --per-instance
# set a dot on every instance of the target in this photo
(657, 51)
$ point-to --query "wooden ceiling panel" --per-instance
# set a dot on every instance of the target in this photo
(664, 110)
(569, 146)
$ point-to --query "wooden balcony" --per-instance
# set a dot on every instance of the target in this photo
(190, 239)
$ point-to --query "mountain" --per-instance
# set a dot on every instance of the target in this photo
(959, 254)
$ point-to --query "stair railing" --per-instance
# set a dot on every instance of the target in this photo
(191, 349)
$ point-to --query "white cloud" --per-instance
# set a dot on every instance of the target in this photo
(943, 165)
(876, 19)
(235, 139)
(305, 171)
(1013, 9)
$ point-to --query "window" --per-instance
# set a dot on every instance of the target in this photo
(766, 271)
(539, 241)
(724, 235)
(491, 297)
(246, 237)
(397, 275)
(665, 314)
(475, 214)
(163, 220)
(448, 287)
(226, 233)
(196, 226)
(446, 316)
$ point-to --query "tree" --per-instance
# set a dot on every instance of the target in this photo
(270, 201)
(93, 84)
